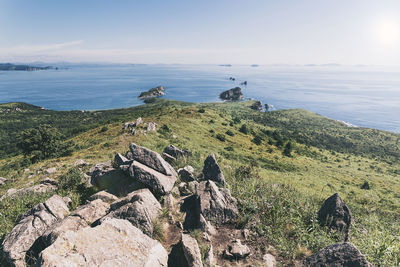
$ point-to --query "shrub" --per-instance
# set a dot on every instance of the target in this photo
(257, 140)
(104, 129)
(287, 151)
(230, 133)
(221, 137)
(244, 129)
(202, 110)
(71, 180)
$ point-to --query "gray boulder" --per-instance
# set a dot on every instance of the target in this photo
(212, 171)
(338, 255)
(176, 152)
(151, 159)
(187, 174)
(335, 214)
(236, 250)
(121, 160)
(113, 243)
(92, 211)
(104, 196)
(31, 226)
(139, 207)
(185, 253)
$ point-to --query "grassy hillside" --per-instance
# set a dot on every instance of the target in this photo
(279, 196)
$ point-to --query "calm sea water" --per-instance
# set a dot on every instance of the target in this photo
(362, 96)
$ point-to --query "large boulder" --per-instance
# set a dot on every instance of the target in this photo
(212, 171)
(335, 214)
(113, 243)
(187, 174)
(337, 255)
(92, 211)
(233, 94)
(151, 159)
(185, 253)
(103, 195)
(236, 250)
(176, 152)
(139, 207)
(31, 226)
(158, 182)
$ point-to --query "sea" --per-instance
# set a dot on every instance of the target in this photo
(363, 96)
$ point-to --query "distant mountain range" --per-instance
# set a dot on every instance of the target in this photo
(9, 66)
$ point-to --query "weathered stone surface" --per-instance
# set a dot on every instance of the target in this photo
(100, 168)
(113, 243)
(104, 176)
(151, 126)
(32, 225)
(217, 205)
(187, 174)
(151, 159)
(51, 170)
(168, 158)
(121, 160)
(139, 207)
(104, 196)
(80, 163)
(212, 171)
(236, 250)
(335, 214)
(209, 260)
(337, 255)
(176, 152)
(46, 185)
(92, 211)
(269, 260)
(49, 181)
(159, 183)
(186, 253)
(233, 94)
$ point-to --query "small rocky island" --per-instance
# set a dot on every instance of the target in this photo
(153, 92)
(233, 94)
(9, 66)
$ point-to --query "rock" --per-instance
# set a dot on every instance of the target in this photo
(121, 160)
(113, 243)
(100, 167)
(206, 227)
(187, 174)
(184, 189)
(216, 205)
(151, 126)
(138, 121)
(176, 152)
(104, 176)
(80, 163)
(139, 207)
(3, 181)
(268, 107)
(233, 94)
(168, 158)
(169, 201)
(340, 254)
(257, 106)
(50, 170)
(185, 253)
(335, 214)
(151, 159)
(31, 226)
(46, 185)
(154, 92)
(209, 257)
(104, 196)
(127, 125)
(92, 211)
(49, 181)
(159, 183)
(236, 250)
(269, 260)
(212, 171)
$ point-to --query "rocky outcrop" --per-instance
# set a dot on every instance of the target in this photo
(335, 214)
(31, 226)
(257, 106)
(233, 94)
(115, 242)
(80, 163)
(104, 196)
(175, 152)
(187, 174)
(153, 92)
(140, 208)
(337, 255)
(185, 253)
(212, 171)
(151, 126)
(269, 260)
(236, 250)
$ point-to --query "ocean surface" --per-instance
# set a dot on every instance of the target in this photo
(360, 95)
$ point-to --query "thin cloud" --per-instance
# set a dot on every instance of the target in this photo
(31, 49)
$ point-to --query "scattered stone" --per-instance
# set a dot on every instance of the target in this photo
(365, 186)
(176, 152)
(80, 163)
(187, 174)
(46, 185)
(31, 226)
(169, 201)
(269, 260)
(139, 207)
(154, 92)
(340, 254)
(151, 126)
(50, 170)
(3, 181)
(27, 170)
(233, 94)
(113, 243)
(185, 253)
(212, 171)
(335, 214)
(104, 196)
(236, 250)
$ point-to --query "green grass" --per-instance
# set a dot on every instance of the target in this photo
(278, 195)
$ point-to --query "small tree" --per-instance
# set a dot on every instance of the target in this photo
(244, 129)
(287, 151)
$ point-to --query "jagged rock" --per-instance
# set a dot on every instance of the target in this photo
(217, 205)
(236, 250)
(233, 94)
(92, 211)
(212, 171)
(104, 175)
(168, 158)
(129, 155)
(176, 152)
(257, 106)
(185, 253)
(3, 181)
(51, 170)
(104, 196)
(269, 260)
(100, 168)
(151, 159)
(151, 126)
(139, 207)
(209, 257)
(80, 163)
(159, 183)
(206, 226)
(122, 161)
(113, 243)
(187, 174)
(335, 214)
(186, 189)
(31, 226)
(337, 255)
(153, 92)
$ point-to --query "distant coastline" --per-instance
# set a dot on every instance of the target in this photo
(14, 67)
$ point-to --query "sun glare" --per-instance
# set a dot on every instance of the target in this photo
(388, 32)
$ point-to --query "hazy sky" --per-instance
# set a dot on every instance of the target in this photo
(201, 31)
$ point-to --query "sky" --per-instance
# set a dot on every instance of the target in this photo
(201, 31)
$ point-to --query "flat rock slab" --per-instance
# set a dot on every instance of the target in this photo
(113, 243)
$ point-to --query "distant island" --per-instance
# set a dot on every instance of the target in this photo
(153, 92)
(9, 66)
